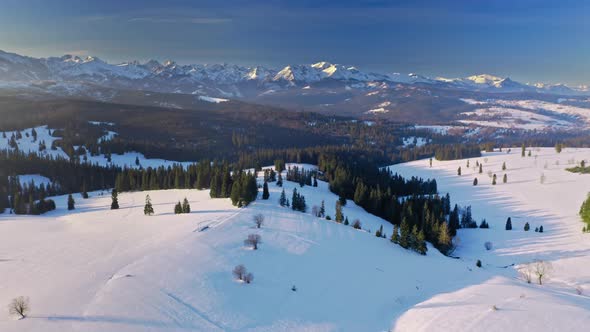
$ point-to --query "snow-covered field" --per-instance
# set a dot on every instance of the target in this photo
(526, 115)
(555, 306)
(95, 269)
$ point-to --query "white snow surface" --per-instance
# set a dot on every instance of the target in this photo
(127, 159)
(555, 306)
(29, 145)
(37, 179)
(95, 269)
(527, 114)
(212, 99)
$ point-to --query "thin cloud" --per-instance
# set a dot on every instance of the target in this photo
(191, 20)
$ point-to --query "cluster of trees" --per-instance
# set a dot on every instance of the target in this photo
(301, 176)
(410, 237)
(66, 176)
(414, 201)
(179, 208)
(457, 151)
(298, 201)
(240, 186)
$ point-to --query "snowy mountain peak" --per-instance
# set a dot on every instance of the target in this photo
(170, 76)
(484, 79)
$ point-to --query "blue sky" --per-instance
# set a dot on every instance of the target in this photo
(527, 40)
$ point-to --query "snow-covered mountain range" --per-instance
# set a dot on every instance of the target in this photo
(170, 76)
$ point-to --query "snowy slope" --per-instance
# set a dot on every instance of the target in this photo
(556, 306)
(95, 269)
(127, 159)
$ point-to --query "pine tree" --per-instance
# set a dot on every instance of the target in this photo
(459, 171)
(454, 221)
(505, 178)
(444, 238)
(467, 166)
(346, 221)
(178, 208)
(84, 192)
(413, 243)
(475, 182)
(115, 200)
(478, 263)
(421, 243)
(494, 180)
(71, 202)
(379, 232)
(186, 207)
(509, 224)
(484, 224)
(322, 210)
(280, 180)
(404, 236)
(527, 227)
(265, 193)
(541, 229)
(235, 192)
(339, 216)
(522, 150)
(148, 209)
(504, 166)
(283, 199)
(295, 200)
(214, 191)
(395, 234)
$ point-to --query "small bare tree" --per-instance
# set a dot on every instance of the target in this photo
(315, 211)
(239, 272)
(248, 278)
(541, 269)
(19, 306)
(356, 224)
(258, 220)
(526, 273)
(253, 240)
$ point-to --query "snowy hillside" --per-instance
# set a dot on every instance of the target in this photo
(562, 303)
(95, 269)
(27, 143)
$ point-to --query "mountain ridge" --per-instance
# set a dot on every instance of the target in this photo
(171, 76)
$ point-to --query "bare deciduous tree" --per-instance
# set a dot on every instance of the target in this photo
(19, 306)
(526, 273)
(239, 272)
(258, 220)
(541, 269)
(248, 278)
(356, 224)
(315, 211)
(253, 240)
